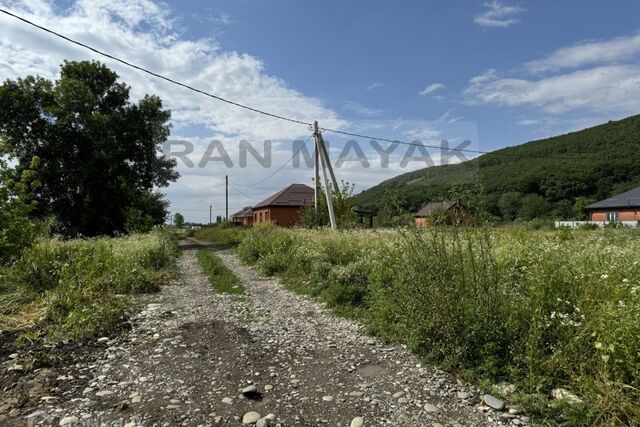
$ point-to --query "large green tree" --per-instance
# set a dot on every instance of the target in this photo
(99, 152)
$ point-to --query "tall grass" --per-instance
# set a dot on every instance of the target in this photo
(536, 308)
(78, 286)
(222, 234)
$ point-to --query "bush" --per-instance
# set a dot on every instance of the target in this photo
(222, 234)
(540, 309)
(81, 282)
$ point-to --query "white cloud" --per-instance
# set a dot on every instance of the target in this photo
(528, 122)
(362, 110)
(601, 77)
(605, 88)
(497, 14)
(449, 117)
(142, 32)
(597, 52)
(432, 88)
(146, 33)
(375, 85)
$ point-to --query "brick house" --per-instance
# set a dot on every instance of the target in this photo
(283, 208)
(459, 214)
(622, 207)
(243, 217)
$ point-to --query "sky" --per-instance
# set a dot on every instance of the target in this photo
(485, 74)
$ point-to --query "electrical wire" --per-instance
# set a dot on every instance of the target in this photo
(160, 76)
(463, 150)
(243, 193)
(273, 115)
(281, 167)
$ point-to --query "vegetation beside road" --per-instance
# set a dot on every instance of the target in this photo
(221, 234)
(537, 309)
(77, 288)
(220, 277)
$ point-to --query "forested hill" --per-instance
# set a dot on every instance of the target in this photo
(550, 178)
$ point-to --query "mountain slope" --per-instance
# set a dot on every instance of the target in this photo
(552, 177)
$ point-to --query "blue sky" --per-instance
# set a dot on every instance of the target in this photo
(497, 73)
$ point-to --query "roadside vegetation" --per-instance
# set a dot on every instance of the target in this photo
(78, 288)
(221, 234)
(54, 281)
(537, 309)
(220, 277)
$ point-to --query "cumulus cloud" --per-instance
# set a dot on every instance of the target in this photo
(150, 34)
(497, 14)
(602, 77)
(596, 52)
(432, 88)
(604, 88)
(143, 32)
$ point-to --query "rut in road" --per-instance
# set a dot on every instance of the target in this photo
(191, 351)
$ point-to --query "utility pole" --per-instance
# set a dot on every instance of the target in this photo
(226, 197)
(316, 178)
(210, 213)
(325, 162)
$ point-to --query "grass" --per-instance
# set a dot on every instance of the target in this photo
(221, 234)
(78, 288)
(220, 277)
(538, 309)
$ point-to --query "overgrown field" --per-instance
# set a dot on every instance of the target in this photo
(78, 288)
(540, 310)
(221, 234)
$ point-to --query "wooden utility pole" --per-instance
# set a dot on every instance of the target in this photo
(325, 162)
(226, 197)
(210, 214)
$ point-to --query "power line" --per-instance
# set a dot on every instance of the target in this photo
(464, 150)
(281, 167)
(266, 113)
(160, 76)
(243, 193)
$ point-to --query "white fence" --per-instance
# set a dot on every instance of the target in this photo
(601, 224)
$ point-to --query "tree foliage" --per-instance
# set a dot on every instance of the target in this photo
(549, 178)
(17, 231)
(178, 220)
(99, 152)
(342, 207)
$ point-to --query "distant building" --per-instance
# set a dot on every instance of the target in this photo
(283, 208)
(243, 216)
(620, 208)
(459, 214)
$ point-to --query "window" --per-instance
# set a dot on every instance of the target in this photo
(613, 216)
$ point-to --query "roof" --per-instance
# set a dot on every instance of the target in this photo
(295, 195)
(244, 212)
(628, 199)
(432, 207)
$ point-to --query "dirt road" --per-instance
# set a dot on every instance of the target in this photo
(191, 352)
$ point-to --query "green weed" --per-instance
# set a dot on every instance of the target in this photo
(220, 277)
(540, 309)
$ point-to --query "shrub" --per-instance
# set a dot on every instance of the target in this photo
(541, 309)
(80, 282)
(222, 234)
